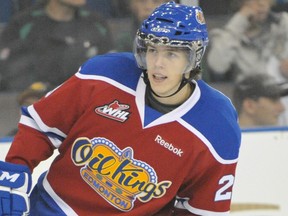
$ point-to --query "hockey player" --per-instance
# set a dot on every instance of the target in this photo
(137, 135)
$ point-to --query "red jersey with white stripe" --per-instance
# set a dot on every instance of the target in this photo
(118, 155)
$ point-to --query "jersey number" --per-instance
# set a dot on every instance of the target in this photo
(222, 193)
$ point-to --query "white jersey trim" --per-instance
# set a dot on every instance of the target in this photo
(184, 204)
(64, 206)
(174, 115)
(38, 124)
(203, 212)
(25, 120)
(107, 80)
(31, 123)
(207, 143)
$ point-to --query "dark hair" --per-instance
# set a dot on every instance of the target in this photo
(255, 86)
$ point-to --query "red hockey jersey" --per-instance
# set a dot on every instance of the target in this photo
(118, 155)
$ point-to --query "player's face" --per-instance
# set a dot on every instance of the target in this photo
(267, 111)
(165, 68)
(143, 8)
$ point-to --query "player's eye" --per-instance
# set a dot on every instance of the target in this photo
(151, 50)
(171, 54)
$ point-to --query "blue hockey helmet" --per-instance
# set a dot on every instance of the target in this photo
(173, 25)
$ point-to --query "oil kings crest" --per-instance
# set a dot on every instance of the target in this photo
(114, 173)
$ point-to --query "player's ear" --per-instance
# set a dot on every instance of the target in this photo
(250, 105)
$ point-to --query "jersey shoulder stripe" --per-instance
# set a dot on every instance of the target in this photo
(121, 67)
(215, 118)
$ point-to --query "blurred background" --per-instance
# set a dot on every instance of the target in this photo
(24, 59)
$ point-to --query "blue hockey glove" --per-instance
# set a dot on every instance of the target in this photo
(15, 185)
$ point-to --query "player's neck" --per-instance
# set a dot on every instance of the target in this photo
(178, 98)
(246, 122)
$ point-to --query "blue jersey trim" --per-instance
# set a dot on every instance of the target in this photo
(121, 67)
(42, 203)
(215, 117)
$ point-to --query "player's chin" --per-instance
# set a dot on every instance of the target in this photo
(161, 93)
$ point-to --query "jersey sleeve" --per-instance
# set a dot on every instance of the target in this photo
(45, 124)
(207, 189)
(210, 193)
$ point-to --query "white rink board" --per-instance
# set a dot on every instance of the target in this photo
(261, 185)
(262, 175)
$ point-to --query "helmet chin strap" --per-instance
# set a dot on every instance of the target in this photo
(184, 81)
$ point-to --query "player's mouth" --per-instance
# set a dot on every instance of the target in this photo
(157, 77)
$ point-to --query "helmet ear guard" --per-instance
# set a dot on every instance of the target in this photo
(173, 25)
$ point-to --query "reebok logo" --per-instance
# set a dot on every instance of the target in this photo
(168, 146)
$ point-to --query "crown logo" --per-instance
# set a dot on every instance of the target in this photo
(114, 174)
